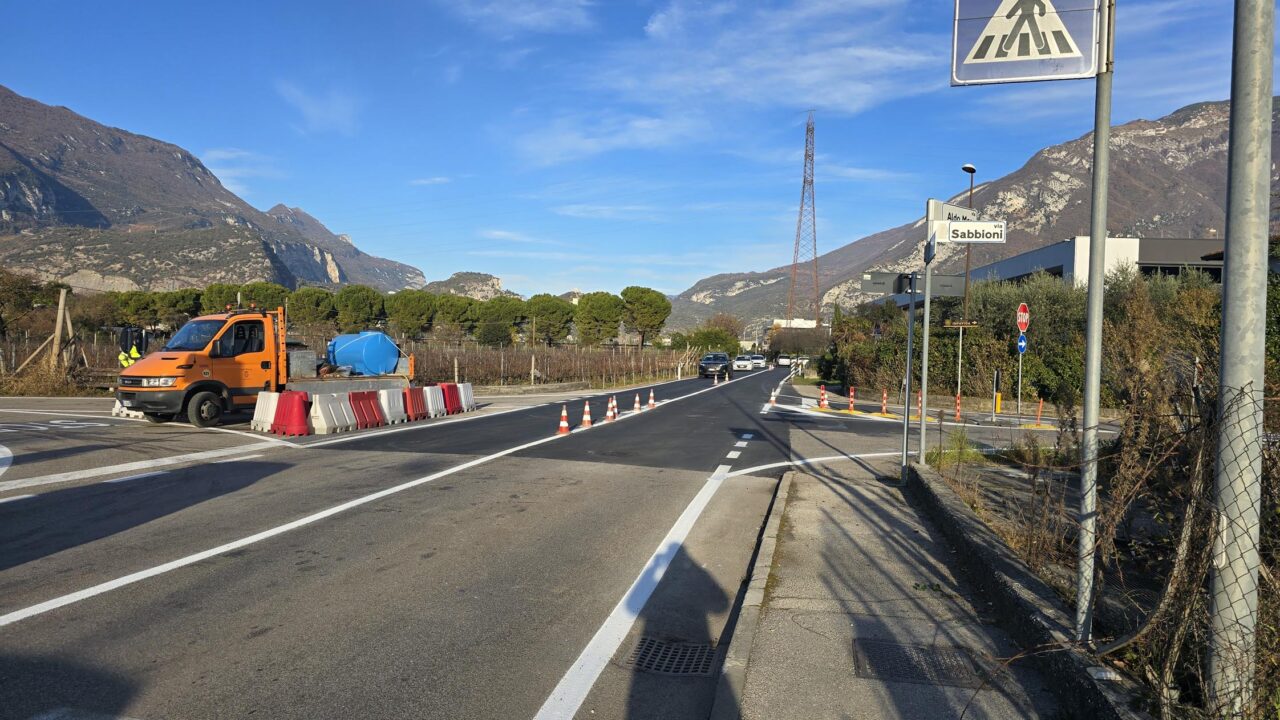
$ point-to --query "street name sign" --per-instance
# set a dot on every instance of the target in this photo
(959, 323)
(983, 231)
(1023, 317)
(936, 210)
(1003, 41)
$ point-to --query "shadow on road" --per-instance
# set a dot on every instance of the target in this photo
(676, 635)
(46, 688)
(55, 521)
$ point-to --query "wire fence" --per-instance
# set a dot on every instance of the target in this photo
(1187, 601)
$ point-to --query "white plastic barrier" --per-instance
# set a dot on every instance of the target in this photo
(392, 402)
(327, 415)
(348, 413)
(264, 412)
(468, 396)
(435, 401)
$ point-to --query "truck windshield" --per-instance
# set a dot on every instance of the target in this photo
(195, 335)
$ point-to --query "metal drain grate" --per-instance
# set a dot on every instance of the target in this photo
(672, 658)
(928, 665)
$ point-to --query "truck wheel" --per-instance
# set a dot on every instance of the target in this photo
(157, 417)
(204, 409)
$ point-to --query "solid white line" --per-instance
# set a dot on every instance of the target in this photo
(740, 443)
(237, 459)
(255, 436)
(53, 604)
(126, 467)
(15, 497)
(572, 690)
(734, 455)
(77, 413)
(135, 477)
(811, 461)
(6, 458)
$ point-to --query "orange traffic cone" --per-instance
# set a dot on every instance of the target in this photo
(609, 415)
(586, 414)
(822, 397)
(637, 407)
(652, 404)
(564, 420)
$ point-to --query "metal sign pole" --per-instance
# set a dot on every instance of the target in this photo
(1233, 614)
(1020, 388)
(906, 383)
(1093, 343)
(924, 344)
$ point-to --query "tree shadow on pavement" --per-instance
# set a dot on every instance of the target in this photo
(36, 687)
(55, 521)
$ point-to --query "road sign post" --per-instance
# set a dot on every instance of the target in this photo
(1023, 319)
(930, 250)
(1233, 609)
(906, 382)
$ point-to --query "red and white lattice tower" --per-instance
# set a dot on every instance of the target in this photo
(804, 299)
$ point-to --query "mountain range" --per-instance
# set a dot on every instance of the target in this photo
(106, 209)
(1168, 179)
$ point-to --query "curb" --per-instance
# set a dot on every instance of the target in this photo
(727, 704)
(1027, 608)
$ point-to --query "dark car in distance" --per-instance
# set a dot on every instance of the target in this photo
(713, 364)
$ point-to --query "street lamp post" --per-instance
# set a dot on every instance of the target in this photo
(968, 258)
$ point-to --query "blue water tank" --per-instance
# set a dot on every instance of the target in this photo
(366, 353)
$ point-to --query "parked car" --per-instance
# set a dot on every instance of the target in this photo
(757, 361)
(742, 362)
(714, 364)
(784, 359)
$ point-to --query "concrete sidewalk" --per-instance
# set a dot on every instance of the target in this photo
(863, 616)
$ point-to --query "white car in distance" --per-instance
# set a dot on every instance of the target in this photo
(742, 362)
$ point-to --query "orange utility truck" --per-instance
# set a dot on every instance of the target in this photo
(219, 363)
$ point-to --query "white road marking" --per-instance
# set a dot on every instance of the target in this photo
(6, 459)
(76, 413)
(61, 601)
(238, 459)
(135, 477)
(15, 497)
(127, 467)
(232, 431)
(740, 443)
(747, 436)
(812, 461)
(734, 455)
(572, 690)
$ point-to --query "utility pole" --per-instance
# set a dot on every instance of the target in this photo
(1087, 548)
(1233, 610)
(55, 355)
(906, 383)
(804, 281)
(968, 259)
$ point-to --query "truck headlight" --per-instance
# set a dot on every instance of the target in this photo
(159, 381)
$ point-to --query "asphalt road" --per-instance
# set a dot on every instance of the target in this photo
(474, 567)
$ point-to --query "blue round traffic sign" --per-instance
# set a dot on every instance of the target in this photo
(1022, 343)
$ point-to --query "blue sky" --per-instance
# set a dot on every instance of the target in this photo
(575, 144)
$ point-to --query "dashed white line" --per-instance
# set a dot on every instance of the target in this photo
(135, 477)
(573, 688)
(747, 436)
(238, 459)
(734, 455)
(740, 443)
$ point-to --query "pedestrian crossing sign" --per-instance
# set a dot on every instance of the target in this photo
(1000, 41)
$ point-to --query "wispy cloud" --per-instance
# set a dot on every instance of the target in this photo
(573, 137)
(235, 166)
(331, 110)
(509, 236)
(609, 212)
(438, 180)
(506, 18)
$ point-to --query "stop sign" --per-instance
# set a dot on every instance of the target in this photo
(1024, 317)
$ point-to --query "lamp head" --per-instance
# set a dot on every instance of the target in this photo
(969, 168)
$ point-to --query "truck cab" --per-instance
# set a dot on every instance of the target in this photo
(214, 364)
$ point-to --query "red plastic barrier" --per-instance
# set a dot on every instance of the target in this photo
(293, 411)
(367, 409)
(452, 398)
(415, 403)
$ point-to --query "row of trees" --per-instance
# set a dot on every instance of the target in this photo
(594, 320)
(868, 346)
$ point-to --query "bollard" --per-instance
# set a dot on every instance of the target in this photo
(957, 408)
(884, 401)
(822, 397)
(852, 392)
(919, 404)
(1039, 410)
